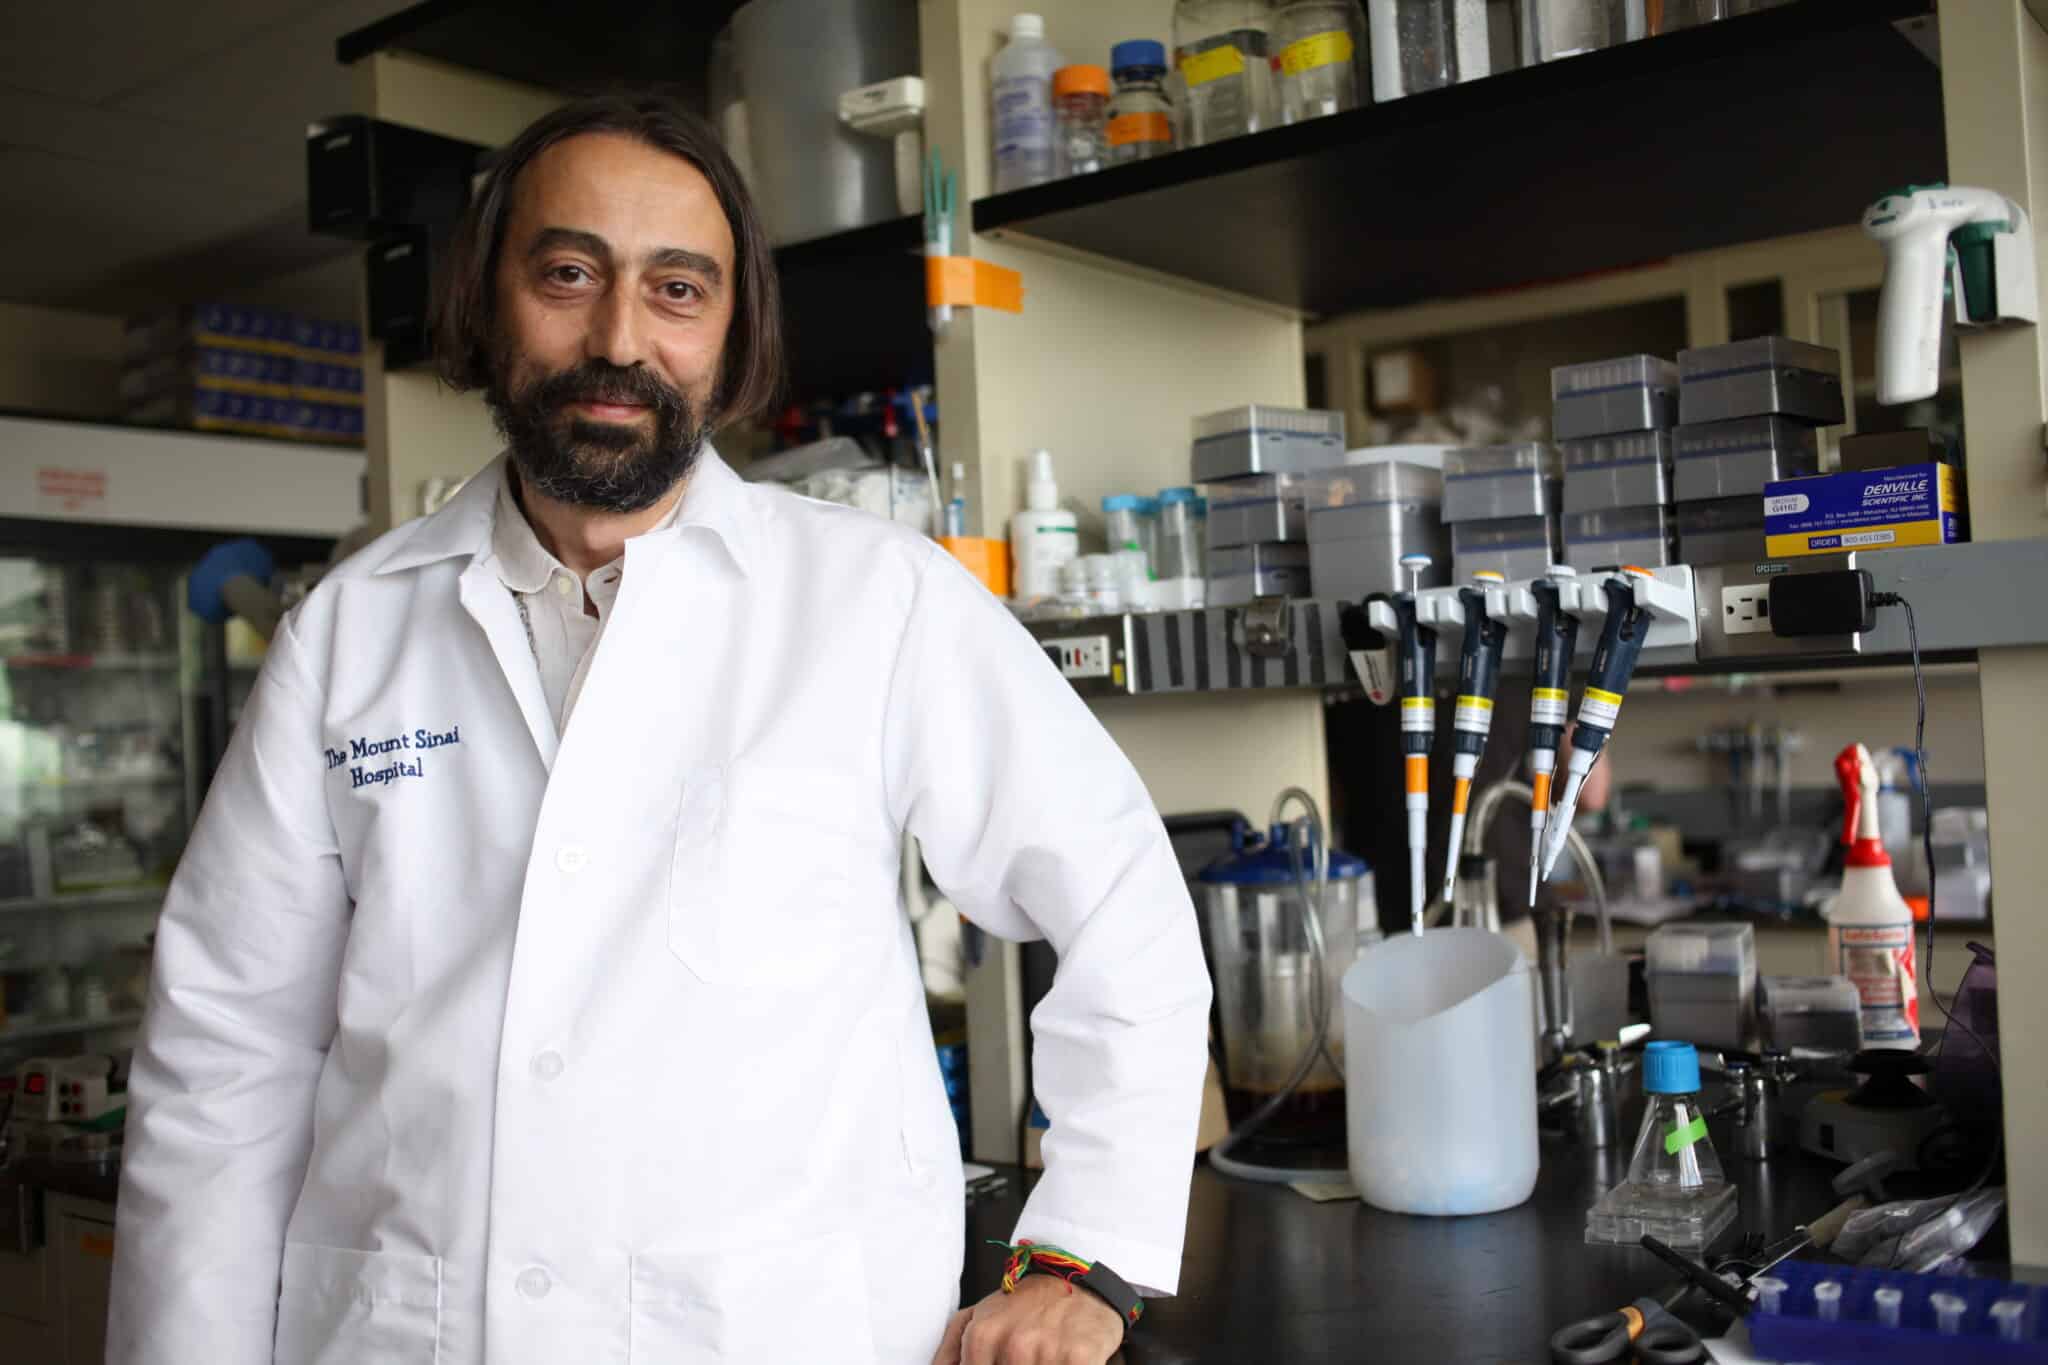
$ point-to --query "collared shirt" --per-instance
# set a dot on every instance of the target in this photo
(562, 627)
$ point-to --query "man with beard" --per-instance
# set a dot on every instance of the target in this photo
(535, 986)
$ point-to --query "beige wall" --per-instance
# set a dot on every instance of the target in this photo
(58, 362)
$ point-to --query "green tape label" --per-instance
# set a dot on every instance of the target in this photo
(1678, 1139)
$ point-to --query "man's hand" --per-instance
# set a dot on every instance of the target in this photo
(1045, 1322)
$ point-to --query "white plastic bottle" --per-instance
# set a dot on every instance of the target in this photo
(1870, 926)
(1020, 91)
(1043, 537)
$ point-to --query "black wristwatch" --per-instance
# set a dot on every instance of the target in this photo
(1104, 1284)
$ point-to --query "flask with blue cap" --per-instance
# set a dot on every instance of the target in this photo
(1675, 1189)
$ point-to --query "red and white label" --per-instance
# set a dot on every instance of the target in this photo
(1878, 959)
(71, 489)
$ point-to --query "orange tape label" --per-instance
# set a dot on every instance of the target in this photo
(1126, 129)
(976, 284)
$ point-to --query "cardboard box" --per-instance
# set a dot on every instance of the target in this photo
(1864, 509)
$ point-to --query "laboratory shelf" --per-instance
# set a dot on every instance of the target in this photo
(83, 900)
(15, 1033)
(1786, 121)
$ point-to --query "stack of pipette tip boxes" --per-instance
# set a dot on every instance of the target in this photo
(1251, 461)
(1749, 416)
(1501, 505)
(1612, 420)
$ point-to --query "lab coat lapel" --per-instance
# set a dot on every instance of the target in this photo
(492, 608)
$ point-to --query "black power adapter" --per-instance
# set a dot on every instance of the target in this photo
(1837, 602)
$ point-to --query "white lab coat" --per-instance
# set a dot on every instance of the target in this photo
(465, 1044)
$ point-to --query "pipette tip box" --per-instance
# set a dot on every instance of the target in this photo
(1632, 469)
(1856, 1336)
(1862, 509)
(1738, 458)
(1760, 376)
(1258, 438)
(1603, 397)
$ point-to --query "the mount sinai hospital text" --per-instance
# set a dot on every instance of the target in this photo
(402, 750)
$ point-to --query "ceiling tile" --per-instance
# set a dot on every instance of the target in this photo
(94, 51)
(113, 139)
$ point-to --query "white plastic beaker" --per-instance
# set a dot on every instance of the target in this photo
(1440, 1073)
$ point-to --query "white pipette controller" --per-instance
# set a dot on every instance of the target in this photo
(1922, 230)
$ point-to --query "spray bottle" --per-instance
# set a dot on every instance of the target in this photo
(1614, 663)
(1418, 728)
(1478, 677)
(1870, 926)
(1557, 635)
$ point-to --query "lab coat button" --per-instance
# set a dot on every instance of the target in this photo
(534, 1283)
(572, 857)
(547, 1065)
(564, 584)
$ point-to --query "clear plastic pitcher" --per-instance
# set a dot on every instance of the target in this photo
(1440, 1073)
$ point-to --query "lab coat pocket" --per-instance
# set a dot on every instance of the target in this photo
(758, 889)
(801, 1301)
(339, 1307)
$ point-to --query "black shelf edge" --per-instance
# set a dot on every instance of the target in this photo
(1611, 104)
(392, 30)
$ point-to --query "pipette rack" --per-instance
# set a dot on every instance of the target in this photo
(1668, 593)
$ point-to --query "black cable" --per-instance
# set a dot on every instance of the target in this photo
(1921, 787)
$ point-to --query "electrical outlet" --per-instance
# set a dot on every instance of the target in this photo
(1087, 657)
(1746, 609)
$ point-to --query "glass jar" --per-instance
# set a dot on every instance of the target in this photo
(1317, 44)
(1080, 116)
(1427, 44)
(1140, 115)
(1564, 28)
(1221, 56)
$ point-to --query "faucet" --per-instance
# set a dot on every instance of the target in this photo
(1753, 1101)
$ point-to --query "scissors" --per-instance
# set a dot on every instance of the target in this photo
(1646, 1326)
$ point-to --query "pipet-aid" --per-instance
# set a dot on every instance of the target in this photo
(1557, 635)
(1870, 926)
(1614, 663)
(1472, 721)
(1418, 729)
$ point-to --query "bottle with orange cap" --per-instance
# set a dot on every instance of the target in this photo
(1080, 117)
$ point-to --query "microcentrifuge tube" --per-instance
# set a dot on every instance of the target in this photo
(1827, 1300)
(1770, 1292)
(2009, 1314)
(1948, 1313)
(1888, 1301)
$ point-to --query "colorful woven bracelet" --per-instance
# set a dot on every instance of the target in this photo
(1033, 1258)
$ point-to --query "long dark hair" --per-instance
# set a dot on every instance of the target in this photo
(464, 317)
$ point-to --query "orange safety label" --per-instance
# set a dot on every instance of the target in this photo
(977, 284)
(1126, 129)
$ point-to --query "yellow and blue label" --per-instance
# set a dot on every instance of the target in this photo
(1863, 509)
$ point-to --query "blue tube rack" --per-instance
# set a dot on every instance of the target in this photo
(1856, 1337)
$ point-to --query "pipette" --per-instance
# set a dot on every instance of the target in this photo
(1478, 676)
(1418, 728)
(1614, 661)
(1557, 635)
